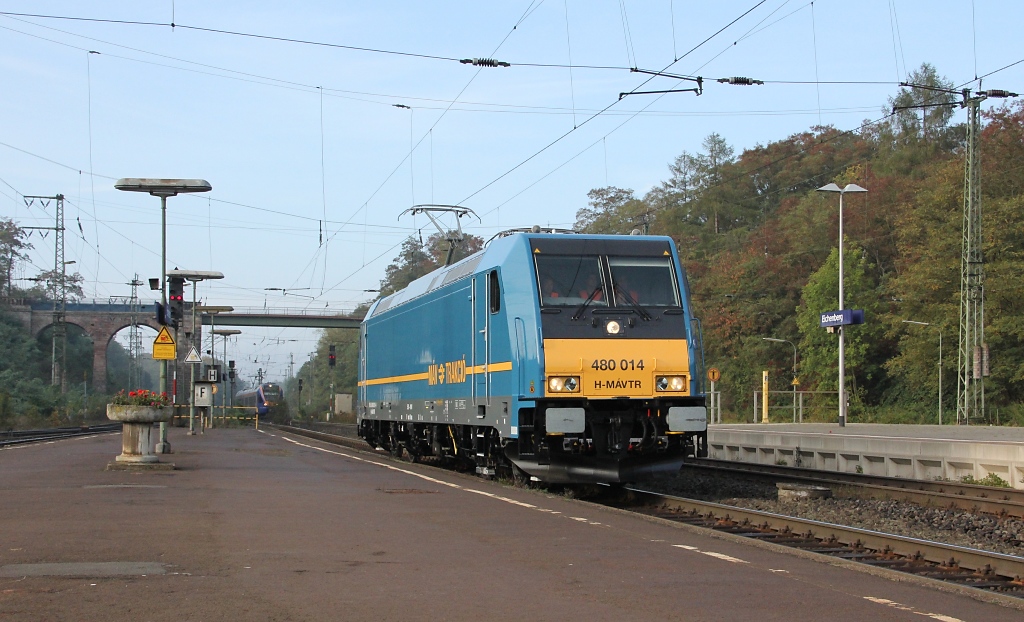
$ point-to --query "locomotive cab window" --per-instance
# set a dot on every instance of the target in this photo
(495, 293)
(644, 281)
(571, 280)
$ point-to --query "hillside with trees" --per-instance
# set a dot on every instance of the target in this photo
(760, 247)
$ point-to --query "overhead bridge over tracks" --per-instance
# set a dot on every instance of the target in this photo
(102, 319)
(287, 318)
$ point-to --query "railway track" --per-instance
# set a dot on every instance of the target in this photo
(966, 567)
(957, 565)
(1000, 502)
(22, 437)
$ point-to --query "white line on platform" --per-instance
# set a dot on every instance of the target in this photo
(896, 605)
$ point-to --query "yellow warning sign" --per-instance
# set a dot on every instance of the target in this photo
(164, 337)
(164, 348)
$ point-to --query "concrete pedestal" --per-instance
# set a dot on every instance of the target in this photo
(137, 432)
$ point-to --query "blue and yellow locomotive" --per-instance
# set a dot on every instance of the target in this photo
(567, 358)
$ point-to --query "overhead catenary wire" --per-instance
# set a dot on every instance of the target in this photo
(431, 136)
(501, 108)
(597, 114)
(309, 42)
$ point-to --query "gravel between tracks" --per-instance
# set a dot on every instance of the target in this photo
(949, 526)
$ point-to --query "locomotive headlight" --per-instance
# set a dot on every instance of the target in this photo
(564, 384)
(670, 383)
(613, 327)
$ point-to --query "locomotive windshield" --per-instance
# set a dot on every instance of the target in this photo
(271, 392)
(566, 280)
(646, 281)
(571, 280)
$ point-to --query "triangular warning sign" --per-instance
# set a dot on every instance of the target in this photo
(164, 337)
(193, 356)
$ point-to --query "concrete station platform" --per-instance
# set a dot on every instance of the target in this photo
(260, 526)
(927, 452)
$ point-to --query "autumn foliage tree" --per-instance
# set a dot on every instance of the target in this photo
(760, 249)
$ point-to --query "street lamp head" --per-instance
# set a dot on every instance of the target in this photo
(216, 309)
(774, 339)
(226, 332)
(916, 322)
(162, 187)
(196, 275)
(834, 188)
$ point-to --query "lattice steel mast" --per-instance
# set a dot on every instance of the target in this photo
(58, 292)
(135, 343)
(972, 361)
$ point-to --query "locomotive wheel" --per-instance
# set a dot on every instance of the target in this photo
(520, 478)
(410, 456)
(394, 447)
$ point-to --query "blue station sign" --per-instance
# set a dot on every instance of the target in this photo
(843, 317)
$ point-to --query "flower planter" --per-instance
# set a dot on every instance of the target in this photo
(137, 431)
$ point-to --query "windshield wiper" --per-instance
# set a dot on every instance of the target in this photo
(583, 307)
(644, 315)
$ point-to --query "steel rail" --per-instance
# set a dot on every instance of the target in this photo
(23, 437)
(983, 563)
(970, 497)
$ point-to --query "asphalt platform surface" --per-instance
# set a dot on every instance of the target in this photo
(261, 526)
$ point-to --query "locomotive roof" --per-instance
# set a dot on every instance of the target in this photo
(491, 255)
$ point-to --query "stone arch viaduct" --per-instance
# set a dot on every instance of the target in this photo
(100, 321)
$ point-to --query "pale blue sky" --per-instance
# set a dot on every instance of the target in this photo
(245, 114)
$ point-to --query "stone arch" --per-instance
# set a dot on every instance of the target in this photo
(145, 334)
(100, 327)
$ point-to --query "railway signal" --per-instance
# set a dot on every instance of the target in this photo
(176, 299)
(163, 314)
(331, 359)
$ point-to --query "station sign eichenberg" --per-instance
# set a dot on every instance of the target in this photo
(843, 317)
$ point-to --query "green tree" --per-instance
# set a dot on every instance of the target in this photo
(612, 210)
(818, 348)
(923, 110)
(417, 259)
(12, 246)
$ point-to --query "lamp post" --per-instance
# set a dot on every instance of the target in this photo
(163, 188)
(193, 277)
(225, 333)
(938, 328)
(773, 339)
(842, 331)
